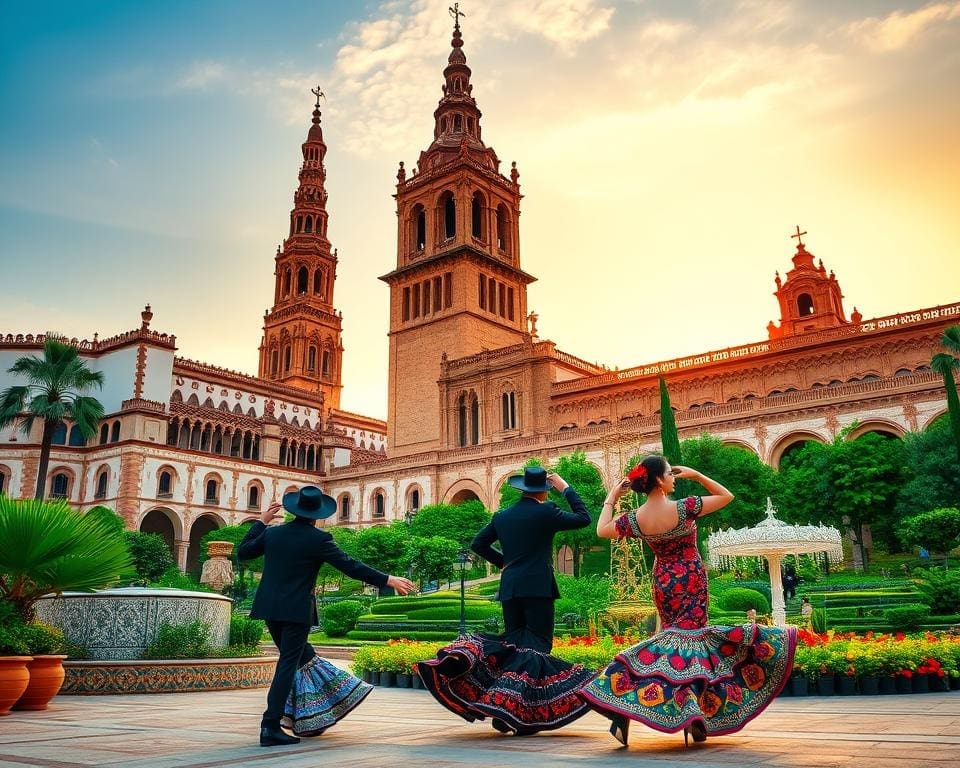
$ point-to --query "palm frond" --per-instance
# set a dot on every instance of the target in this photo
(951, 339)
(12, 401)
(86, 412)
(943, 363)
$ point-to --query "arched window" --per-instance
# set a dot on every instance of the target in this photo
(4, 480)
(414, 504)
(212, 495)
(165, 485)
(104, 433)
(287, 277)
(476, 216)
(325, 363)
(308, 224)
(60, 435)
(457, 122)
(274, 361)
(449, 207)
(474, 420)
(379, 505)
(502, 229)
(253, 497)
(508, 403)
(420, 227)
(100, 492)
(115, 432)
(76, 437)
(303, 279)
(286, 358)
(345, 507)
(60, 486)
(462, 420)
(299, 223)
(804, 304)
(312, 358)
(318, 282)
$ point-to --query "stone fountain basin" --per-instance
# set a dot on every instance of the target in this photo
(118, 624)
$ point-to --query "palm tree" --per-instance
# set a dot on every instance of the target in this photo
(49, 548)
(55, 392)
(945, 363)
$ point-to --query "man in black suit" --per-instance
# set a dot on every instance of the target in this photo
(525, 531)
(292, 556)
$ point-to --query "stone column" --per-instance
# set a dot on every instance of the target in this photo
(180, 547)
(776, 591)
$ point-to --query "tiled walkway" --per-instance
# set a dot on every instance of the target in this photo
(406, 728)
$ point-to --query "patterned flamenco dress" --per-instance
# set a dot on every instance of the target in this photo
(710, 679)
(322, 695)
(504, 677)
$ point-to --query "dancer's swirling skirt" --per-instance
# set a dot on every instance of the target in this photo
(721, 676)
(481, 676)
(321, 696)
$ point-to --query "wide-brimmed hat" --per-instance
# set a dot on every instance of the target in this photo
(309, 502)
(533, 480)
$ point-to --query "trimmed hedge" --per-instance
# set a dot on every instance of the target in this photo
(404, 605)
(485, 611)
(741, 599)
(362, 634)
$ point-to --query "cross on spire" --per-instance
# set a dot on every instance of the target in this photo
(318, 93)
(799, 236)
(456, 13)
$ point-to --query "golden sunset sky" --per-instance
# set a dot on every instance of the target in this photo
(666, 152)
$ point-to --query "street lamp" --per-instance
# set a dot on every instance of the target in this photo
(463, 558)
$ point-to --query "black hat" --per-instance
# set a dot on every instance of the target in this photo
(533, 480)
(309, 502)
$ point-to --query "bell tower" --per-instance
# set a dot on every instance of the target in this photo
(809, 299)
(457, 288)
(301, 333)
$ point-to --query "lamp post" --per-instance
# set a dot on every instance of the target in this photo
(463, 557)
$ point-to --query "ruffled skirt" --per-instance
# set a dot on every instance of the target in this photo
(481, 676)
(321, 696)
(720, 676)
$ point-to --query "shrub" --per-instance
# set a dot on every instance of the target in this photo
(180, 641)
(339, 618)
(175, 580)
(42, 639)
(818, 620)
(150, 554)
(743, 599)
(587, 596)
(245, 631)
(907, 616)
(361, 634)
(942, 590)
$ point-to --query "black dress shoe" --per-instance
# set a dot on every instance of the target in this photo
(620, 728)
(274, 737)
(501, 726)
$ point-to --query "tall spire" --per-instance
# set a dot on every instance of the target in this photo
(309, 214)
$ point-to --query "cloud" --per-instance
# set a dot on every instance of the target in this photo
(200, 75)
(900, 29)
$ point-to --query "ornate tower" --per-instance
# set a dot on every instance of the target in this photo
(457, 288)
(810, 300)
(301, 334)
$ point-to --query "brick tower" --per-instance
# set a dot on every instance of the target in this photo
(457, 288)
(301, 334)
(810, 300)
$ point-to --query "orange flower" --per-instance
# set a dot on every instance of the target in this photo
(710, 703)
(651, 695)
(753, 676)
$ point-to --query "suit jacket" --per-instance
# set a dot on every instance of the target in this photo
(525, 532)
(292, 556)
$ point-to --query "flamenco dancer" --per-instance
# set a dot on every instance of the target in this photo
(511, 678)
(704, 680)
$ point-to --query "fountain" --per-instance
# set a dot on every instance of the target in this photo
(772, 539)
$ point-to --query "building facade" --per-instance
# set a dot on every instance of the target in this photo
(473, 391)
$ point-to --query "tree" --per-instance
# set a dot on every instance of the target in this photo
(933, 473)
(670, 441)
(54, 393)
(107, 516)
(433, 558)
(150, 554)
(47, 548)
(234, 534)
(937, 530)
(384, 547)
(945, 363)
(588, 484)
(740, 470)
(457, 522)
(802, 484)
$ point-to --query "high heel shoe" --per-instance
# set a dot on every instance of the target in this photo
(696, 731)
(620, 728)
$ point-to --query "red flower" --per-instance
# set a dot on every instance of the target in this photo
(735, 635)
(639, 472)
(734, 693)
(680, 696)
(646, 656)
(677, 662)
(690, 503)
(727, 649)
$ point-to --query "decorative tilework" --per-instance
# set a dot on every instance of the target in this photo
(93, 678)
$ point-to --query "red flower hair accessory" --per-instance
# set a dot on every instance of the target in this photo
(639, 472)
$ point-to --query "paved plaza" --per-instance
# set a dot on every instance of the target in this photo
(407, 728)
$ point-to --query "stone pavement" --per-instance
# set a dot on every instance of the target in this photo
(396, 727)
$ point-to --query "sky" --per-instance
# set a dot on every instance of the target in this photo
(667, 149)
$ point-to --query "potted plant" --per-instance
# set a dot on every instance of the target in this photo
(868, 667)
(14, 675)
(45, 644)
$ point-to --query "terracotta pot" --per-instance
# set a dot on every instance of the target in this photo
(46, 677)
(219, 548)
(14, 678)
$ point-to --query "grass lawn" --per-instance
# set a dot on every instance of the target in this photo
(318, 638)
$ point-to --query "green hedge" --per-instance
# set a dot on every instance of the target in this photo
(484, 611)
(404, 605)
(362, 634)
(741, 599)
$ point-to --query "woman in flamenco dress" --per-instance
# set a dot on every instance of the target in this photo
(512, 678)
(701, 679)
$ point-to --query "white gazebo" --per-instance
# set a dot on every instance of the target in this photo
(772, 539)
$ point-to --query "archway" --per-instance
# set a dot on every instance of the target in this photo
(464, 490)
(789, 443)
(159, 521)
(881, 427)
(563, 561)
(200, 528)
